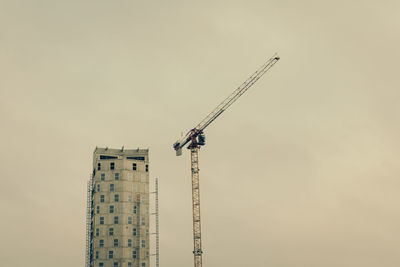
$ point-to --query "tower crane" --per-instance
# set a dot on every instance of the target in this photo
(195, 138)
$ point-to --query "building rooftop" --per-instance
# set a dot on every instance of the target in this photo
(120, 151)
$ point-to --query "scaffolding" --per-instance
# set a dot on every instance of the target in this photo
(89, 222)
(157, 233)
(138, 234)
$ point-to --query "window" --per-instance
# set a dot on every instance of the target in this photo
(97, 231)
(134, 254)
(98, 166)
(112, 165)
(112, 209)
(134, 231)
(101, 220)
(143, 221)
(130, 198)
(136, 158)
(101, 264)
(134, 209)
(107, 157)
(116, 175)
(101, 243)
(102, 198)
(98, 188)
(115, 264)
(147, 168)
(143, 264)
(111, 231)
(115, 242)
(129, 242)
(97, 209)
(97, 254)
(130, 220)
(116, 198)
(143, 243)
(129, 264)
(147, 232)
(110, 254)
(102, 176)
(134, 166)
(116, 220)
(111, 187)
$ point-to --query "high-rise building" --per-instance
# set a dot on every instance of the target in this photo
(118, 209)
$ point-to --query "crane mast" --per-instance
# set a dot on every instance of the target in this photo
(195, 139)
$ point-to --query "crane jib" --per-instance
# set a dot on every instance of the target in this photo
(213, 118)
(237, 93)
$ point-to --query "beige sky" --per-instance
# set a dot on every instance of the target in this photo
(303, 171)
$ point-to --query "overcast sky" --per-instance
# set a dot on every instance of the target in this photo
(302, 171)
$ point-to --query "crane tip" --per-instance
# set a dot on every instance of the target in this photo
(277, 58)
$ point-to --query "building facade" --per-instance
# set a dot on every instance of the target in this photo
(118, 209)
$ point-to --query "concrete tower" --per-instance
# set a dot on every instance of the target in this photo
(118, 209)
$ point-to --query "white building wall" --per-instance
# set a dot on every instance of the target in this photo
(131, 186)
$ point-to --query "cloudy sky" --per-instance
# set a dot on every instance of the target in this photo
(303, 171)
